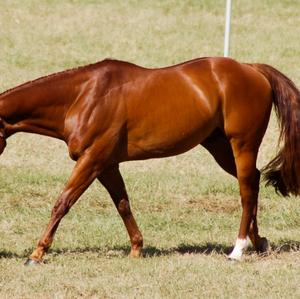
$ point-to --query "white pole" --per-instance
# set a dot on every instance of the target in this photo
(227, 28)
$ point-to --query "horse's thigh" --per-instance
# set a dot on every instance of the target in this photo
(219, 147)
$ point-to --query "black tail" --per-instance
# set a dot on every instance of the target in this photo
(283, 172)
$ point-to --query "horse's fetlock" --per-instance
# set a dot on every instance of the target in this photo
(137, 240)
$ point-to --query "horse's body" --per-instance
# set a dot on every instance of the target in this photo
(115, 111)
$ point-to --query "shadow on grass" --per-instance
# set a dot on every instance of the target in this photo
(207, 248)
(152, 251)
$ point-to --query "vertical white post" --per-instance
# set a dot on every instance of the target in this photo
(227, 28)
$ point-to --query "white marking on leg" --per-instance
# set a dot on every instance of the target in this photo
(237, 252)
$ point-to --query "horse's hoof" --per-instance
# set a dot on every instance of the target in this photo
(31, 262)
(135, 253)
(264, 246)
(233, 258)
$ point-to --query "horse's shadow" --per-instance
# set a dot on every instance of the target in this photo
(207, 249)
(152, 251)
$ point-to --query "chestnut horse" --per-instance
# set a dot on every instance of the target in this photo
(114, 111)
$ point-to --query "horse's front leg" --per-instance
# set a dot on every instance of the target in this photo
(82, 176)
(112, 180)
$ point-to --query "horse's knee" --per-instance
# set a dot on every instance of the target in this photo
(60, 208)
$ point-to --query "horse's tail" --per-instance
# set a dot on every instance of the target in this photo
(283, 172)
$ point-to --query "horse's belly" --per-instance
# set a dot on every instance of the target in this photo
(168, 139)
(136, 151)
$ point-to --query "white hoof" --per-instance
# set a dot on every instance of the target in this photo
(237, 252)
(235, 257)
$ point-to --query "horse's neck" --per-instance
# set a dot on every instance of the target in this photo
(37, 107)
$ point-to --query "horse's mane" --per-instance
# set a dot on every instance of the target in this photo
(54, 75)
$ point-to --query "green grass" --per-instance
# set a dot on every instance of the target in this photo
(188, 209)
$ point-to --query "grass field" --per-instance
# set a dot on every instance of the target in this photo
(188, 209)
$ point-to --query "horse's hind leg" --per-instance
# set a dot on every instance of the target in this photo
(245, 154)
(220, 148)
(112, 180)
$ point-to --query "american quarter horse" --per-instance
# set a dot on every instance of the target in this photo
(114, 111)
